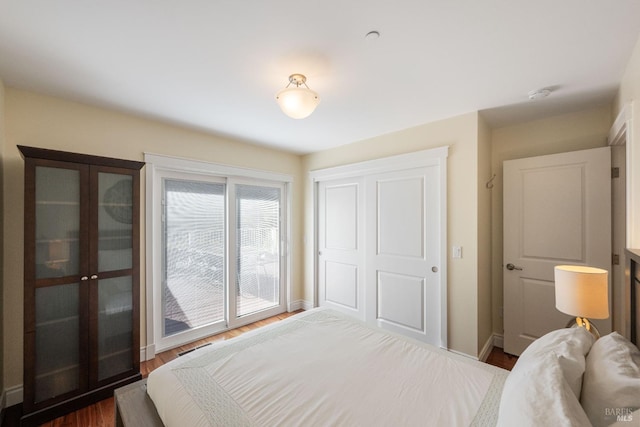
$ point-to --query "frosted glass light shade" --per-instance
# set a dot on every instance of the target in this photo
(297, 102)
(582, 291)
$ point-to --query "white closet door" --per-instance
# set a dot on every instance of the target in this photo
(340, 245)
(403, 252)
(381, 239)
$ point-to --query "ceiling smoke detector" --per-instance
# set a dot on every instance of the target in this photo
(372, 35)
(539, 94)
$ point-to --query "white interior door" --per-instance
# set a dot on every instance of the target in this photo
(403, 256)
(557, 210)
(340, 245)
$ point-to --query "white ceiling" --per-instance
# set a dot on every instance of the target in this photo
(215, 65)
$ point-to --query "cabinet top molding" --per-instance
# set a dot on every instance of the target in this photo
(44, 153)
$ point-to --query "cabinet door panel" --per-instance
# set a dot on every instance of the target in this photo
(115, 221)
(115, 326)
(57, 358)
(57, 222)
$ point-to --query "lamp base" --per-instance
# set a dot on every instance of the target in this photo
(583, 322)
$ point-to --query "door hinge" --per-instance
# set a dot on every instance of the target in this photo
(615, 172)
(615, 259)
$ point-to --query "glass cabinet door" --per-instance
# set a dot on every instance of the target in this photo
(58, 291)
(57, 222)
(115, 274)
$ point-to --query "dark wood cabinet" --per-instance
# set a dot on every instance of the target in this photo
(81, 280)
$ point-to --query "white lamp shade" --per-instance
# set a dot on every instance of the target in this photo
(297, 102)
(582, 291)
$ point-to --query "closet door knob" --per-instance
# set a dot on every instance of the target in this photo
(84, 278)
(94, 276)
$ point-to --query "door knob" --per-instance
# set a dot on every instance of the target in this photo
(513, 267)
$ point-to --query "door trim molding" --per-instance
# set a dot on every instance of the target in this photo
(431, 157)
(621, 133)
(385, 164)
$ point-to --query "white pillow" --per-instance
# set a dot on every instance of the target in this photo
(570, 345)
(544, 386)
(611, 386)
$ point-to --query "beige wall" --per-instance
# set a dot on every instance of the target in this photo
(569, 132)
(461, 135)
(42, 121)
(629, 93)
(485, 330)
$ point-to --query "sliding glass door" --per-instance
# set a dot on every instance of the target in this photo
(221, 255)
(193, 237)
(257, 248)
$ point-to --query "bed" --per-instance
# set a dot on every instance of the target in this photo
(321, 367)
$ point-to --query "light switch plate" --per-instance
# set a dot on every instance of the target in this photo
(457, 252)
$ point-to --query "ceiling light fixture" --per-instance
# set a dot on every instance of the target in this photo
(297, 101)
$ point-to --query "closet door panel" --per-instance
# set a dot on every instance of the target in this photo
(400, 216)
(401, 300)
(341, 284)
(341, 245)
(381, 240)
(402, 252)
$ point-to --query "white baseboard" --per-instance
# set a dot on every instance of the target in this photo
(468, 356)
(148, 352)
(486, 349)
(498, 340)
(14, 395)
(495, 340)
(300, 305)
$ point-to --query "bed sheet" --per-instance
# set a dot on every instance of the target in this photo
(321, 367)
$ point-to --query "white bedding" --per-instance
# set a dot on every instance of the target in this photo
(323, 368)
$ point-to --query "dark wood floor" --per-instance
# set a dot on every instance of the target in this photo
(101, 414)
(501, 359)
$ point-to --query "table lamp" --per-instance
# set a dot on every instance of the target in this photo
(582, 292)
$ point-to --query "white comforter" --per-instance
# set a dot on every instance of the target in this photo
(322, 368)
